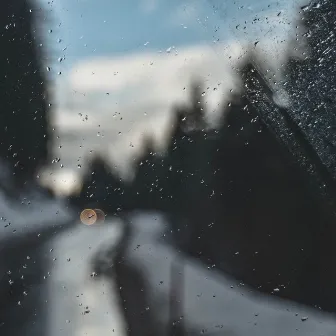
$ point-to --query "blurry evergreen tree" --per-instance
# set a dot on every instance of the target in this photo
(175, 160)
(102, 188)
(187, 154)
(242, 191)
(24, 112)
(147, 186)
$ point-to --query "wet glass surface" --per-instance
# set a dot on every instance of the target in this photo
(167, 168)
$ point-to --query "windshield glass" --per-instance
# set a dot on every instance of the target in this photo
(167, 167)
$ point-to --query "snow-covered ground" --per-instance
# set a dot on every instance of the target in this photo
(78, 303)
(214, 303)
(82, 304)
(74, 303)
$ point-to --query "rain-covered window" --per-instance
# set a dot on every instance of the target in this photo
(167, 167)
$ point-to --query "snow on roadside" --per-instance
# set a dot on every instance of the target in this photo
(213, 302)
(32, 213)
(79, 303)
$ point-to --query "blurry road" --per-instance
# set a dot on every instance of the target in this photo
(79, 303)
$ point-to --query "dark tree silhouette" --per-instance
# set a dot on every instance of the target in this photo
(264, 200)
(101, 188)
(24, 141)
(147, 187)
(256, 197)
(24, 102)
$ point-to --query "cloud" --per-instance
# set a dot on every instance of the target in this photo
(149, 81)
(123, 98)
(142, 89)
(153, 76)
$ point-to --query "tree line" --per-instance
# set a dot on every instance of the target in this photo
(255, 196)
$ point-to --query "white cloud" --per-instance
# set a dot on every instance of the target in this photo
(158, 79)
(143, 87)
(155, 77)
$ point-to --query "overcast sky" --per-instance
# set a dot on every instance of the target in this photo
(119, 66)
